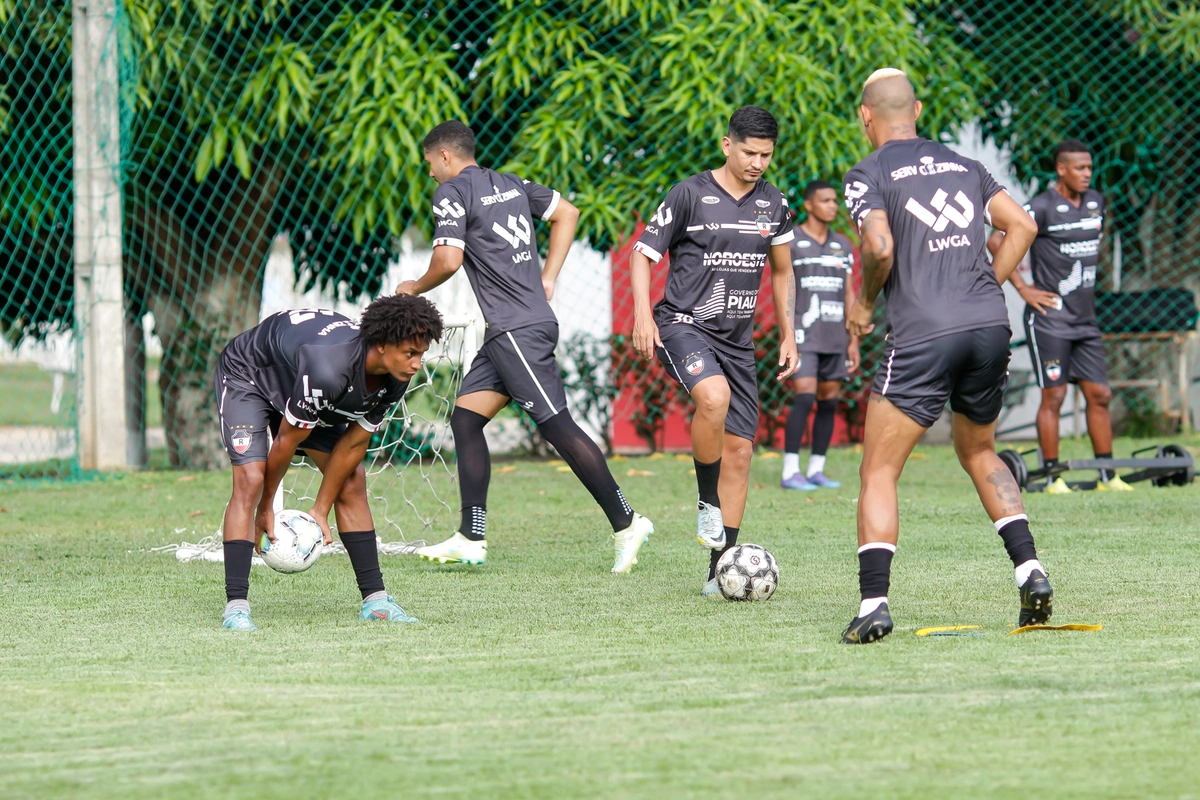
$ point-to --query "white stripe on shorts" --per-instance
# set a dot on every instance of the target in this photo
(888, 380)
(536, 382)
(1037, 356)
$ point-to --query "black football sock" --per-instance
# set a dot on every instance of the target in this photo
(587, 462)
(364, 557)
(797, 421)
(708, 476)
(1105, 474)
(823, 426)
(1018, 541)
(238, 555)
(474, 468)
(714, 556)
(1049, 462)
(874, 574)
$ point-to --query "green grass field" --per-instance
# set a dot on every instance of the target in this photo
(541, 675)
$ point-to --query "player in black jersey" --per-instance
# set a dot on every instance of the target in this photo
(720, 228)
(1064, 341)
(316, 381)
(484, 221)
(823, 262)
(920, 208)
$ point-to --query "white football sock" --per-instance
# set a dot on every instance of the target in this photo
(815, 464)
(1026, 568)
(791, 464)
(373, 596)
(869, 605)
(237, 605)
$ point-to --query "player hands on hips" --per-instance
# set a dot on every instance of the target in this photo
(316, 381)
(483, 221)
(720, 227)
(1064, 341)
(822, 262)
(920, 210)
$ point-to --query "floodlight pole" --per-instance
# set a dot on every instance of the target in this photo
(99, 292)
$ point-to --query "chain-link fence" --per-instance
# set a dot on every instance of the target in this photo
(264, 148)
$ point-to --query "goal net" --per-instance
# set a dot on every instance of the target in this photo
(411, 485)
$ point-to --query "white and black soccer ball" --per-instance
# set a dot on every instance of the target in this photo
(297, 545)
(747, 572)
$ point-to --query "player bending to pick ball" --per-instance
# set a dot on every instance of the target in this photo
(484, 220)
(719, 227)
(920, 209)
(822, 262)
(315, 381)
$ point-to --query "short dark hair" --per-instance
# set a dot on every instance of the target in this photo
(400, 317)
(752, 122)
(816, 186)
(1070, 146)
(452, 135)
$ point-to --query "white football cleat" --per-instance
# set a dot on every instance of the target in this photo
(458, 549)
(629, 541)
(710, 526)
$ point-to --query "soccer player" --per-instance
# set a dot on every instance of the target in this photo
(822, 261)
(1060, 316)
(316, 381)
(719, 227)
(484, 220)
(920, 210)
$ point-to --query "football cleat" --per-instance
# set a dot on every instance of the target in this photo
(629, 541)
(386, 610)
(238, 621)
(711, 589)
(710, 526)
(458, 549)
(797, 481)
(820, 479)
(871, 628)
(1059, 486)
(1037, 600)
(1114, 484)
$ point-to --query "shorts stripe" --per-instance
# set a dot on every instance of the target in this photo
(887, 381)
(1037, 356)
(675, 369)
(536, 382)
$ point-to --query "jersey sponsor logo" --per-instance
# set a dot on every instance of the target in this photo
(927, 167)
(241, 441)
(447, 223)
(833, 310)
(662, 216)
(709, 200)
(763, 203)
(813, 313)
(742, 300)
(729, 258)
(1092, 205)
(650, 229)
(946, 212)
(947, 242)
(763, 223)
(1080, 276)
(822, 283)
(712, 226)
(714, 305)
(835, 245)
(1052, 369)
(499, 196)
(803, 243)
(695, 366)
(829, 261)
(449, 209)
(854, 191)
(1089, 224)
(517, 233)
(1062, 209)
(333, 326)
(1090, 247)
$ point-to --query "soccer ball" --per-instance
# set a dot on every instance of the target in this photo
(297, 544)
(747, 572)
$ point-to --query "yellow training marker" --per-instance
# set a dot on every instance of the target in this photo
(946, 628)
(1057, 628)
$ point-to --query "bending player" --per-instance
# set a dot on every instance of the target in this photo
(315, 381)
(822, 261)
(1061, 333)
(719, 227)
(920, 209)
(483, 220)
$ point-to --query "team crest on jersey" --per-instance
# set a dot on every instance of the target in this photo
(241, 441)
(695, 366)
(709, 200)
(763, 203)
(764, 225)
(1053, 370)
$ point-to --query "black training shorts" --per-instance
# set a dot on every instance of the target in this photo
(822, 366)
(968, 369)
(1058, 361)
(520, 364)
(689, 359)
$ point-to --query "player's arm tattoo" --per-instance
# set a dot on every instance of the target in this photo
(1007, 491)
(876, 253)
(791, 296)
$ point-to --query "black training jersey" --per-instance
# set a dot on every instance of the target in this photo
(718, 248)
(490, 216)
(821, 270)
(936, 201)
(310, 365)
(1064, 257)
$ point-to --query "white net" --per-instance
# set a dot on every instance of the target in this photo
(410, 483)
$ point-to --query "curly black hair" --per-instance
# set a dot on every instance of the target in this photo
(399, 317)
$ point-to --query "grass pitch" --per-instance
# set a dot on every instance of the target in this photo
(541, 675)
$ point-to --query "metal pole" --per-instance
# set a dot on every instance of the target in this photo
(99, 296)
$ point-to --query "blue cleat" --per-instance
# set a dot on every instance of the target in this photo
(238, 621)
(798, 481)
(711, 589)
(386, 610)
(819, 479)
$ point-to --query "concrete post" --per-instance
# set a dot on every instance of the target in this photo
(99, 297)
